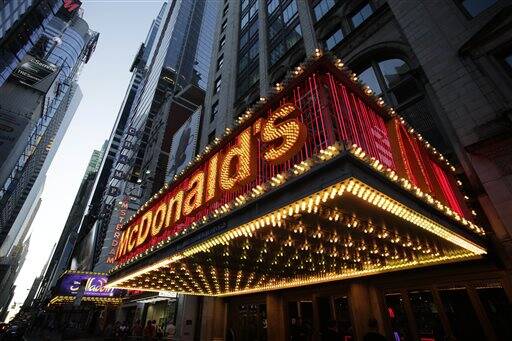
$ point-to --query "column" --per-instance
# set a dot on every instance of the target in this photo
(365, 304)
(263, 47)
(276, 330)
(213, 321)
(186, 317)
(306, 25)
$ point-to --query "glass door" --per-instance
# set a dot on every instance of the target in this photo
(300, 320)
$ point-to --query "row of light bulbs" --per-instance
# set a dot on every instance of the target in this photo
(311, 204)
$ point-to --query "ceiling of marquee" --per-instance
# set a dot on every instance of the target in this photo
(346, 230)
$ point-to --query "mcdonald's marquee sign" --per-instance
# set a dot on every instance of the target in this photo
(321, 107)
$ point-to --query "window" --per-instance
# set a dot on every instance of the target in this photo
(508, 59)
(211, 136)
(475, 7)
(220, 62)
(245, 20)
(224, 25)
(247, 80)
(254, 51)
(225, 10)
(244, 39)
(243, 61)
(222, 42)
(389, 75)
(397, 316)
(253, 29)
(392, 80)
(275, 28)
(426, 315)
(361, 15)
(393, 70)
(498, 310)
(215, 110)
(293, 37)
(276, 53)
(369, 77)
(244, 4)
(254, 10)
(272, 5)
(322, 7)
(334, 39)
(459, 310)
(289, 12)
(218, 82)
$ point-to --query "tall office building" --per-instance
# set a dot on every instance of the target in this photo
(42, 54)
(11, 266)
(173, 88)
(345, 190)
(100, 204)
(60, 259)
(95, 161)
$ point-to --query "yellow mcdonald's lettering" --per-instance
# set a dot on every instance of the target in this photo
(285, 138)
(144, 227)
(194, 197)
(123, 244)
(238, 166)
(132, 240)
(174, 209)
(211, 181)
(158, 220)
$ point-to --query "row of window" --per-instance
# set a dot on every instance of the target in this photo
(219, 64)
(248, 73)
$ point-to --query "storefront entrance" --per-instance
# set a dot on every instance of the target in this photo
(464, 312)
(469, 310)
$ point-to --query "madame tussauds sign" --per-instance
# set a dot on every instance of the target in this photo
(274, 139)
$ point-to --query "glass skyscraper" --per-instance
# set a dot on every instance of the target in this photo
(177, 64)
(37, 96)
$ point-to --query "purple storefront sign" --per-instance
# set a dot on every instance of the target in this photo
(95, 285)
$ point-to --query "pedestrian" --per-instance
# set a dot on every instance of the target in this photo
(123, 331)
(137, 329)
(149, 331)
(170, 331)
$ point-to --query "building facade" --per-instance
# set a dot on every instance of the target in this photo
(301, 245)
(174, 81)
(41, 56)
(60, 259)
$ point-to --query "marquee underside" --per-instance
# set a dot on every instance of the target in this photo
(348, 229)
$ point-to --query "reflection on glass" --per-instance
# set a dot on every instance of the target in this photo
(300, 320)
(289, 12)
(397, 317)
(343, 322)
(369, 78)
(498, 310)
(272, 5)
(508, 59)
(334, 39)
(252, 324)
(426, 315)
(463, 320)
(392, 70)
(475, 7)
(322, 7)
(360, 16)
